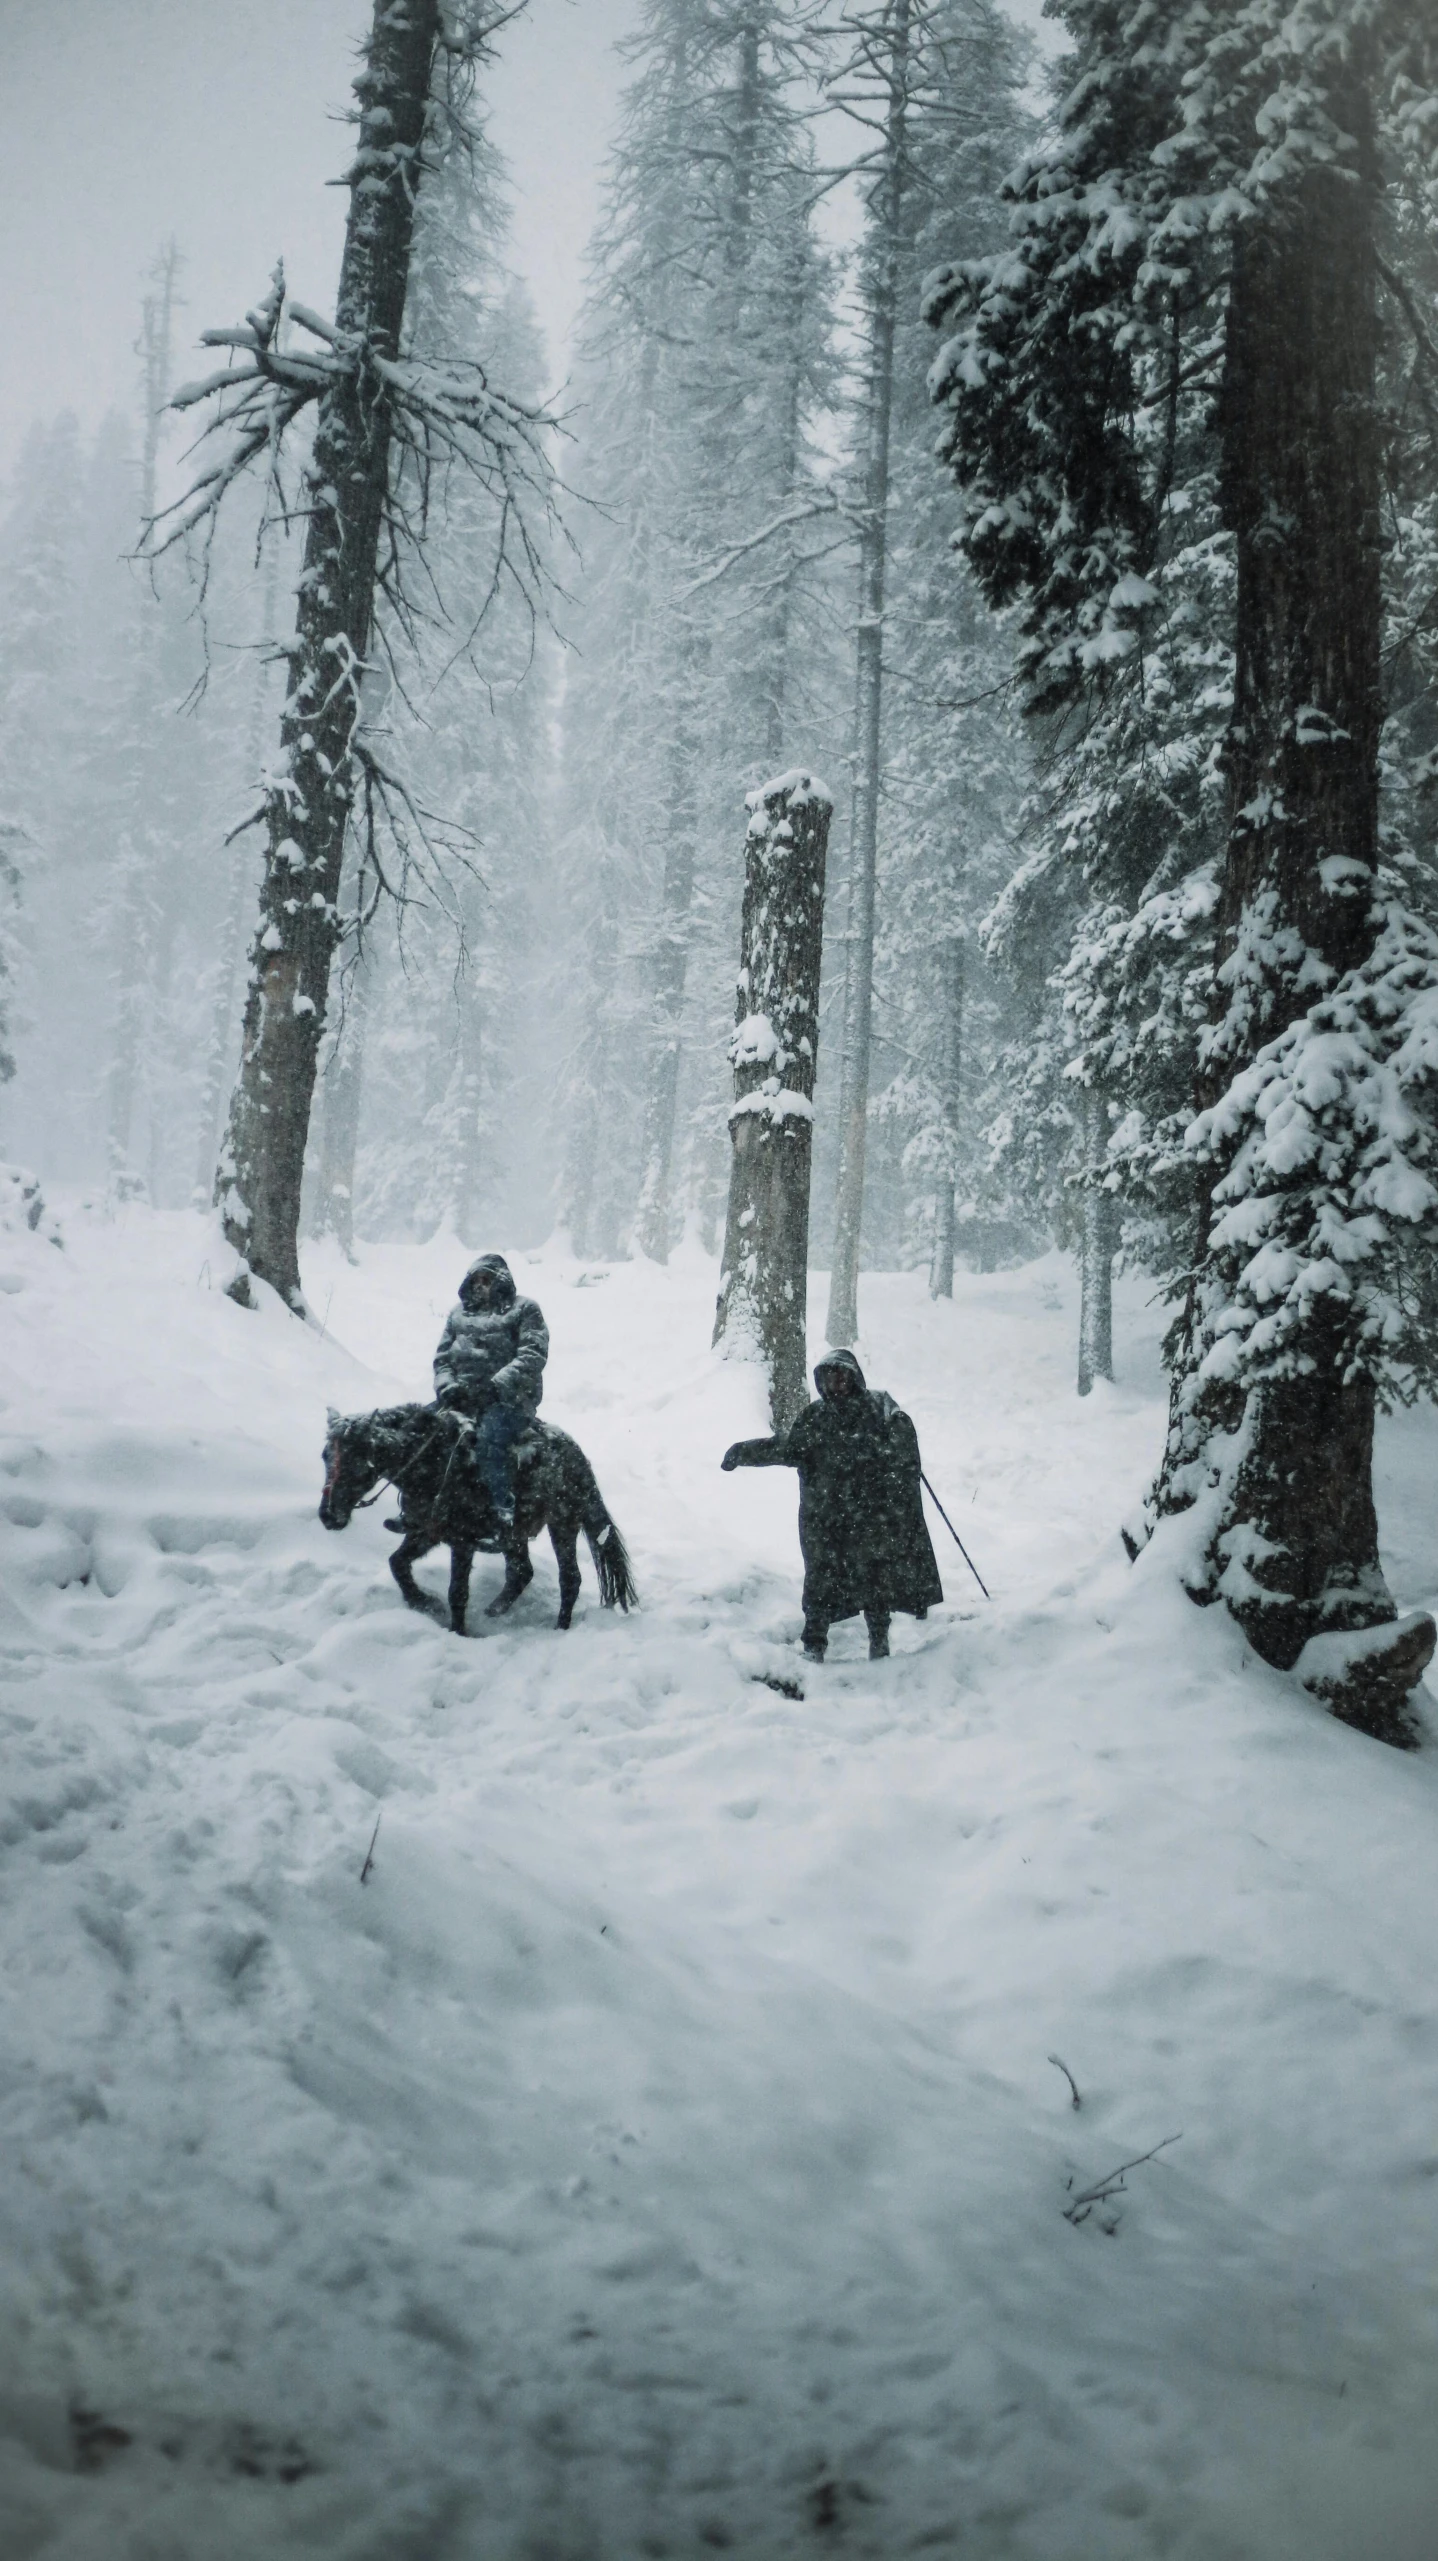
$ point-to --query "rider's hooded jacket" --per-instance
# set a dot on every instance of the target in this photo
(493, 1354)
(861, 1517)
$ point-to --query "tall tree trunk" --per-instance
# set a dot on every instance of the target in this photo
(334, 1213)
(941, 1268)
(843, 1320)
(219, 1063)
(138, 851)
(654, 1223)
(764, 1284)
(782, 613)
(1295, 1546)
(309, 804)
(1096, 1243)
(466, 1171)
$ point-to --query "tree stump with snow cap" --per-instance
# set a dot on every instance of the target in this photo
(764, 1283)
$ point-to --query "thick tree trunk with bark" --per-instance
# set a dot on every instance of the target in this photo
(1294, 1550)
(309, 804)
(764, 1285)
(951, 1072)
(1096, 1244)
(843, 1318)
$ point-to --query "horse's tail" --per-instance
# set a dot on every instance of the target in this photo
(611, 1556)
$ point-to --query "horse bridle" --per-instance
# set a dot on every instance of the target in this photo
(397, 1475)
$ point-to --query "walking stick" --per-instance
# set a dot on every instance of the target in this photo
(954, 1535)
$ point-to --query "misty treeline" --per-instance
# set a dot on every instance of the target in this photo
(1047, 461)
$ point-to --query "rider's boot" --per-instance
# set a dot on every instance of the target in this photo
(816, 1639)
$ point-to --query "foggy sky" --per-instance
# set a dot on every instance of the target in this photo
(125, 121)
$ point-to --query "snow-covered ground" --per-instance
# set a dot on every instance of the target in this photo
(662, 2152)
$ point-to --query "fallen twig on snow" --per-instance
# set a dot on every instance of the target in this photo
(369, 1854)
(1080, 2207)
(1058, 2061)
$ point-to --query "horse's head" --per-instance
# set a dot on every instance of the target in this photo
(350, 1468)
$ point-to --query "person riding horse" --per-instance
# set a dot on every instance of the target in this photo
(490, 1366)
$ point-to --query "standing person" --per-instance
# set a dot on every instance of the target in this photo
(490, 1365)
(861, 1521)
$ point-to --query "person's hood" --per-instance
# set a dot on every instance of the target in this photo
(504, 1289)
(837, 1360)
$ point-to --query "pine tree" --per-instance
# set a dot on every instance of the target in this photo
(932, 81)
(704, 347)
(1221, 183)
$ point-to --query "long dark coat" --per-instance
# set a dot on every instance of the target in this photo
(861, 1523)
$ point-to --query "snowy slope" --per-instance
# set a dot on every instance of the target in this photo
(660, 2153)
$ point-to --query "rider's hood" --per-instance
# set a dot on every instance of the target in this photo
(837, 1360)
(504, 1289)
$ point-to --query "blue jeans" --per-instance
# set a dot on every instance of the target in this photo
(495, 1434)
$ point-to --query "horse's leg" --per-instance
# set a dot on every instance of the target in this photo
(518, 1574)
(401, 1565)
(461, 1559)
(564, 1539)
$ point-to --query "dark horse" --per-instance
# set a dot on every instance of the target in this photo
(424, 1451)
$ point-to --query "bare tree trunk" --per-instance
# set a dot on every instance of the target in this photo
(843, 1320)
(764, 1284)
(1095, 1250)
(941, 1268)
(654, 1224)
(136, 859)
(309, 804)
(344, 1087)
(655, 1221)
(467, 1171)
(219, 1064)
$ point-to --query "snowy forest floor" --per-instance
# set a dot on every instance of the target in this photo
(662, 2153)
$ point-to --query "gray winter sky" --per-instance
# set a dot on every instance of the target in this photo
(125, 121)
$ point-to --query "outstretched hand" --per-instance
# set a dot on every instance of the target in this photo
(730, 1459)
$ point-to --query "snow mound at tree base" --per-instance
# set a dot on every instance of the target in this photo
(662, 2151)
(1366, 1675)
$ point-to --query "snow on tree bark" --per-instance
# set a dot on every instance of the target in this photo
(763, 1291)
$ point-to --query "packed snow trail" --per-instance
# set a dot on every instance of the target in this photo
(661, 2153)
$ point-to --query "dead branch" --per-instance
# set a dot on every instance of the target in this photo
(1060, 2065)
(369, 1854)
(1080, 2207)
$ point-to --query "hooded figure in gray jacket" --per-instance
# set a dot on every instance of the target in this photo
(490, 1365)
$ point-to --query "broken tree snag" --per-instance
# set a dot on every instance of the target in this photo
(763, 1287)
(309, 799)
